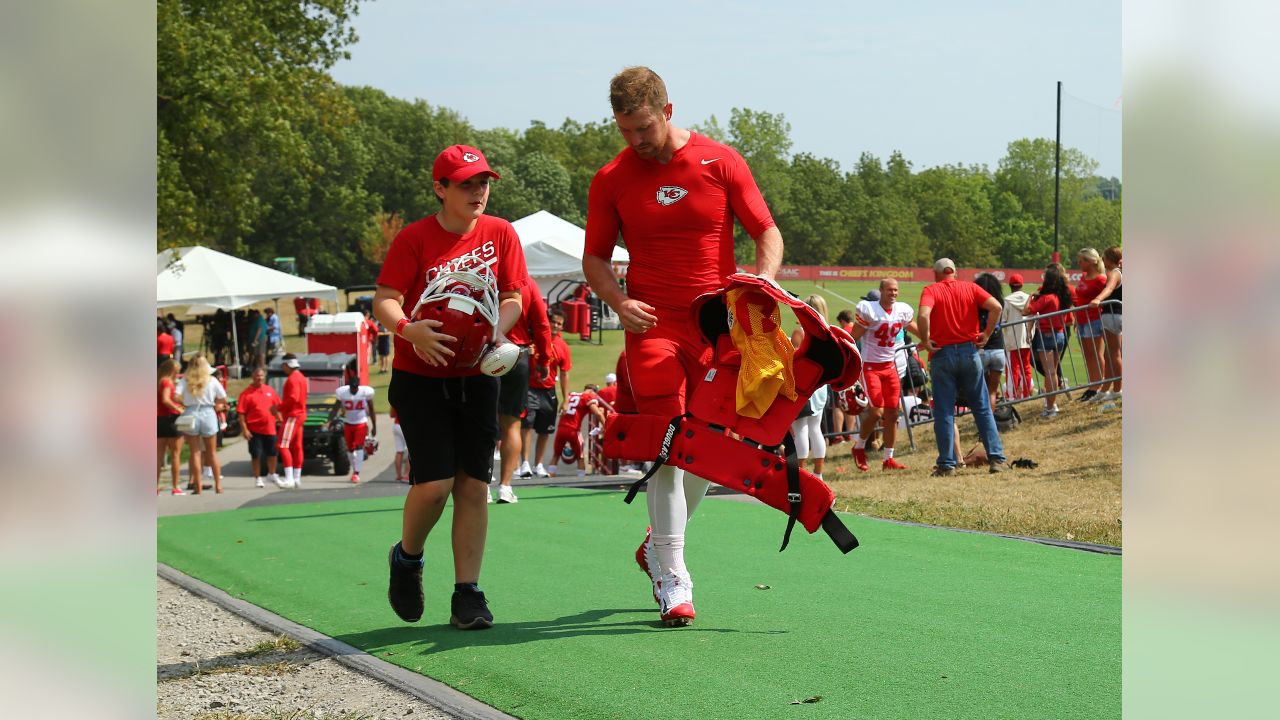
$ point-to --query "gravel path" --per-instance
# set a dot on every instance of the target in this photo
(199, 674)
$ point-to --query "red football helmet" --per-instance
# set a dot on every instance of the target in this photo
(370, 446)
(465, 300)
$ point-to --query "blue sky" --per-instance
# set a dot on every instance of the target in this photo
(943, 82)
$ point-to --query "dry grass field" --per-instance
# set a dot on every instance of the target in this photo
(1074, 494)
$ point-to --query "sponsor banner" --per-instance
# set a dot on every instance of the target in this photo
(874, 274)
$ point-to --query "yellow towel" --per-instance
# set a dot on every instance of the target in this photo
(755, 328)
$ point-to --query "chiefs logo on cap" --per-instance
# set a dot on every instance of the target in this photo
(670, 194)
(470, 157)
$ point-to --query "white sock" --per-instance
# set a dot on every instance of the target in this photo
(670, 552)
(860, 443)
(359, 459)
(669, 516)
(888, 453)
(551, 469)
(581, 472)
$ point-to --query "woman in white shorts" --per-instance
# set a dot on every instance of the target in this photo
(402, 450)
(203, 397)
(1112, 322)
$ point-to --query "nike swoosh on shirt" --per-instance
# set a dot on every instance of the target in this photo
(708, 162)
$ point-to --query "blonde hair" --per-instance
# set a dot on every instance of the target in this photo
(635, 88)
(1092, 257)
(198, 376)
(817, 303)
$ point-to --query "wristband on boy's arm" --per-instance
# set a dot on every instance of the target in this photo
(400, 326)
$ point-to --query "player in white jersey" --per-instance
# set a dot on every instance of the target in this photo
(882, 323)
(358, 413)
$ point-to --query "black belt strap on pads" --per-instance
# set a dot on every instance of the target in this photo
(663, 453)
(793, 488)
(838, 533)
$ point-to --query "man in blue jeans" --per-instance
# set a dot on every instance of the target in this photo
(949, 323)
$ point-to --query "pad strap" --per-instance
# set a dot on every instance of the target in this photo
(793, 487)
(664, 452)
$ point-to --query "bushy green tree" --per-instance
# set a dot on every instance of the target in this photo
(235, 85)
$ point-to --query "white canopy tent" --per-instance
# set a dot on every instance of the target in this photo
(198, 276)
(553, 248)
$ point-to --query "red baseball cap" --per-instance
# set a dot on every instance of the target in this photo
(460, 162)
(1015, 279)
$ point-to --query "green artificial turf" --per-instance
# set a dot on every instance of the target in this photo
(916, 623)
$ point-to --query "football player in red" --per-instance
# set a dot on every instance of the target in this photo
(533, 334)
(358, 415)
(450, 289)
(882, 321)
(293, 410)
(568, 444)
(541, 403)
(671, 195)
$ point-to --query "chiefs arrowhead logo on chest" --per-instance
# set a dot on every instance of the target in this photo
(670, 194)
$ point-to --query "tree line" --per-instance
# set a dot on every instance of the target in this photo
(261, 154)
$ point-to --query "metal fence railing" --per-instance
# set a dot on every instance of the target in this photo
(1080, 366)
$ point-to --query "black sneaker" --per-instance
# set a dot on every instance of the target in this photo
(405, 589)
(1088, 395)
(998, 466)
(470, 611)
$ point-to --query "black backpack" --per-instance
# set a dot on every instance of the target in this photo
(1007, 417)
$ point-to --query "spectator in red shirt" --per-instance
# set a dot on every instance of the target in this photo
(306, 307)
(542, 405)
(164, 342)
(168, 408)
(949, 323)
(259, 408)
(1089, 322)
(1050, 339)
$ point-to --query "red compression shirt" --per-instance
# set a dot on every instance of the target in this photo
(676, 219)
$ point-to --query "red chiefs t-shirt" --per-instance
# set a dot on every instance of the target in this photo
(609, 394)
(254, 405)
(164, 344)
(1044, 304)
(293, 396)
(1083, 293)
(424, 248)
(533, 327)
(955, 306)
(561, 360)
(161, 408)
(576, 407)
(676, 219)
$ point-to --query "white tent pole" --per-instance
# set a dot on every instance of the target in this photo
(235, 342)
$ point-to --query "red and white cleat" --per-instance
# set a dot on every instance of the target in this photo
(892, 464)
(646, 559)
(860, 458)
(675, 599)
(355, 477)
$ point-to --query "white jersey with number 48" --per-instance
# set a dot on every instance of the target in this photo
(355, 406)
(883, 327)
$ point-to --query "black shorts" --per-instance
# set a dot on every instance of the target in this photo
(166, 426)
(384, 345)
(540, 410)
(262, 446)
(449, 424)
(514, 388)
